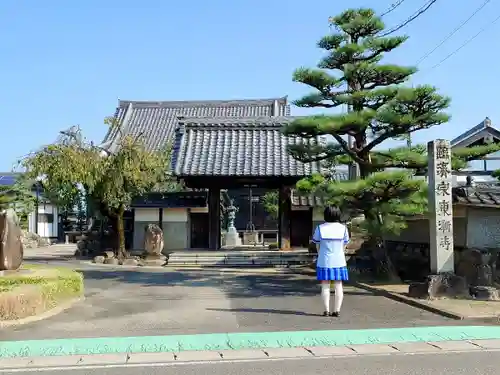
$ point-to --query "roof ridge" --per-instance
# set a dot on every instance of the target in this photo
(200, 103)
(470, 132)
(234, 119)
(233, 122)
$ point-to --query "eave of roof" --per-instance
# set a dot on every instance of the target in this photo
(477, 133)
(477, 196)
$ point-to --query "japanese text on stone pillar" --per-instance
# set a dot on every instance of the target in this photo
(440, 206)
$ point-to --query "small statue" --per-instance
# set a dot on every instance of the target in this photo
(232, 237)
(153, 240)
(231, 214)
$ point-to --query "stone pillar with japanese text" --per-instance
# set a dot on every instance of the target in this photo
(440, 206)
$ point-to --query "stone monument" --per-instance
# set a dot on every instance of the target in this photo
(153, 246)
(442, 281)
(11, 246)
(232, 236)
(440, 207)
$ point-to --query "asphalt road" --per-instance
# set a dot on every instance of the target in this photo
(150, 303)
(477, 363)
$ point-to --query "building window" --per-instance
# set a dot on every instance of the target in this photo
(46, 218)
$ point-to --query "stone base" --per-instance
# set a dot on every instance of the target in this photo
(484, 293)
(441, 285)
(232, 238)
(129, 262)
(111, 261)
(153, 260)
(285, 244)
(250, 238)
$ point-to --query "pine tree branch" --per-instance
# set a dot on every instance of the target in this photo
(347, 149)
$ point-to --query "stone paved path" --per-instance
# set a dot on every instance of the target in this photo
(130, 303)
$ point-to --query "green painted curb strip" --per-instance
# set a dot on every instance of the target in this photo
(236, 341)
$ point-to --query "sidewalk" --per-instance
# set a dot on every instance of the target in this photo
(448, 307)
(131, 351)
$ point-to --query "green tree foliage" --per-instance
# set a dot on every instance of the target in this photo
(353, 74)
(270, 202)
(6, 197)
(19, 197)
(109, 180)
(496, 174)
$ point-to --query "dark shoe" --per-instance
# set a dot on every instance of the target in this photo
(335, 314)
(326, 313)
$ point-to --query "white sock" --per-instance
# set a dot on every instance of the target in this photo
(325, 295)
(339, 295)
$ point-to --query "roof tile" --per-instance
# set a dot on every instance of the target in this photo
(237, 147)
(477, 196)
(156, 121)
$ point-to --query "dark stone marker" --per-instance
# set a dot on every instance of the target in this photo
(444, 284)
(484, 293)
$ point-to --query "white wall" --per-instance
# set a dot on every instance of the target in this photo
(151, 215)
(48, 221)
(175, 215)
(483, 227)
(175, 222)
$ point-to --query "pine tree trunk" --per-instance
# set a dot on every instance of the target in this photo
(121, 252)
(383, 268)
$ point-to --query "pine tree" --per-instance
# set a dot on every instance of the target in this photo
(382, 109)
(7, 197)
(19, 197)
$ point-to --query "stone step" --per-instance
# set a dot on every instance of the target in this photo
(246, 256)
(239, 259)
(171, 256)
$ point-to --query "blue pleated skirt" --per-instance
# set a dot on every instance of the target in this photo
(332, 274)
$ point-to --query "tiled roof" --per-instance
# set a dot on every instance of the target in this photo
(477, 133)
(252, 147)
(305, 200)
(156, 121)
(477, 196)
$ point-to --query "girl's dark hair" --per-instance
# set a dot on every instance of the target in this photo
(332, 214)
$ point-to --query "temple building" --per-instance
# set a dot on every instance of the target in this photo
(223, 150)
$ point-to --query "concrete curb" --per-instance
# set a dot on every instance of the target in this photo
(410, 301)
(47, 314)
(136, 360)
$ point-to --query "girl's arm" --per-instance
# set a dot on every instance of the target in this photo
(316, 236)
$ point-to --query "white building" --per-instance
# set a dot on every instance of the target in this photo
(44, 220)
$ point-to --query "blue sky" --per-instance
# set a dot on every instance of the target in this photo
(68, 62)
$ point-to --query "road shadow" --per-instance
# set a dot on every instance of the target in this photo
(266, 311)
(234, 286)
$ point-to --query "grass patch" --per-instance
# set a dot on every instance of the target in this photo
(36, 289)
